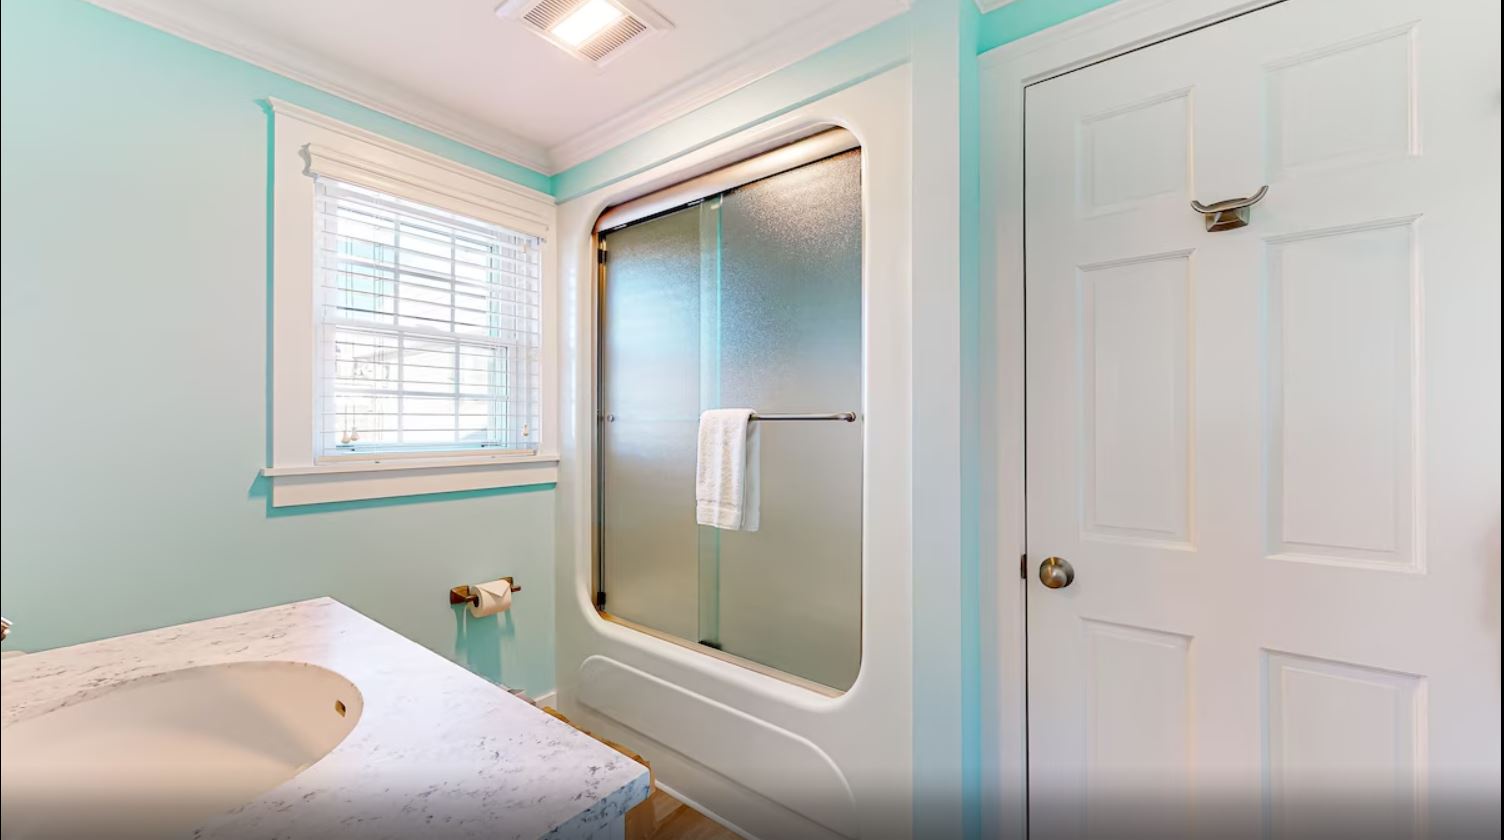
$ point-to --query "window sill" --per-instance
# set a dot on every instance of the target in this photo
(357, 480)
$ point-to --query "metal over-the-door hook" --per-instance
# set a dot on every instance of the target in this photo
(1229, 213)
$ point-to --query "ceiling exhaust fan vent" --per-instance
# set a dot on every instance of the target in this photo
(596, 31)
(616, 36)
(545, 13)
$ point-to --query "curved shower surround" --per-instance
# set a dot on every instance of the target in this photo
(773, 756)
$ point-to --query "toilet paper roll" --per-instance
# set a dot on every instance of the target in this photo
(494, 596)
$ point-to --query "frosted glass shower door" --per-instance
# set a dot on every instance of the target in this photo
(749, 299)
(791, 342)
(650, 407)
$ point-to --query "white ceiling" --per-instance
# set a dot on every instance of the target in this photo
(456, 68)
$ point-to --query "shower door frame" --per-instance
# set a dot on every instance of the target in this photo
(814, 145)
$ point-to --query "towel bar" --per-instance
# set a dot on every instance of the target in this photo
(847, 416)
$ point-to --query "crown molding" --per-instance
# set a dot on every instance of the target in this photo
(491, 182)
(785, 46)
(214, 32)
(985, 6)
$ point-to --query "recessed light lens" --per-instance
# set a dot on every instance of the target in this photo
(586, 22)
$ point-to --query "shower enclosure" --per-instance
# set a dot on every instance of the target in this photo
(750, 296)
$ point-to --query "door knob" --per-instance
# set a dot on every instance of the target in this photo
(1056, 572)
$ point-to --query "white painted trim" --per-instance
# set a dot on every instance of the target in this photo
(199, 24)
(323, 160)
(985, 6)
(380, 463)
(291, 488)
(789, 44)
(1004, 73)
(427, 158)
(547, 698)
(1108, 31)
(305, 142)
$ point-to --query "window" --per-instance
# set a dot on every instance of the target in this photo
(411, 320)
(429, 328)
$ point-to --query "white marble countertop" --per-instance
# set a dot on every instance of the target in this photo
(437, 752)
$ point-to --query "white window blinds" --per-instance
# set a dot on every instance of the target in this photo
(429, 328)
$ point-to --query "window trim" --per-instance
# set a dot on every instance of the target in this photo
(305, 144)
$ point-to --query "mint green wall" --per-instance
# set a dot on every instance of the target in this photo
(134, 354)
(1025, 17)
(134, 199)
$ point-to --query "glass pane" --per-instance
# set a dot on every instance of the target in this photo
(751, 299)
(650, 368)
(791, 342)
(397, 278)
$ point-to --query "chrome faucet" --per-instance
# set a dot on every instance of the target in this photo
(4, 627)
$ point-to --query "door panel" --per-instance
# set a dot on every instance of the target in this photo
(1270, 453)
(790, 594)
(1363, 727)
(1138, 717)
(650, 375)
(1136, 383)
(1340, 346)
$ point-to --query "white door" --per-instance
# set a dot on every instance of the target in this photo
(1270, 453)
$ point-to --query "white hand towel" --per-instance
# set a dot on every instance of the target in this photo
(726, 470)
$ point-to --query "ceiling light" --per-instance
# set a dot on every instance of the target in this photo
(586, 22)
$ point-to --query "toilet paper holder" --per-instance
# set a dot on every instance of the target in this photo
(462, 595)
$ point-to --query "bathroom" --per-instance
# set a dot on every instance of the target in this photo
(794, 419)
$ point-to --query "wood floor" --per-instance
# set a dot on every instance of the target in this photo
(660, 816)
(666, 818)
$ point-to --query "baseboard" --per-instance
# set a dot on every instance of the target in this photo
(548, 699)
(709, 814)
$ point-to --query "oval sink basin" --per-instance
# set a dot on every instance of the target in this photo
(160, 755)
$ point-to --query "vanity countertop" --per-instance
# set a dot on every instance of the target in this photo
(437, 752)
